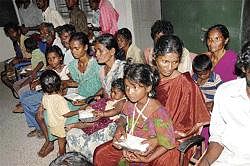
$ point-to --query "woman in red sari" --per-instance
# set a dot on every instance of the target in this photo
(178, 93)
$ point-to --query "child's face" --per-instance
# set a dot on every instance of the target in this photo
(122, 42)
(203, 75)
(116, 94)
(54, 60)
(136, 92)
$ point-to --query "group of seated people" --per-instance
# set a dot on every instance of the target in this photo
(161, 95)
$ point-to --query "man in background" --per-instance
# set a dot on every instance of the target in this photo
(108, 16)
(48, 14)
(77, 16)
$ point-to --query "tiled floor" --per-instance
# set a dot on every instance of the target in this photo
(16, 149)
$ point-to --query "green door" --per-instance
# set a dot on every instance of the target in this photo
(191, 17)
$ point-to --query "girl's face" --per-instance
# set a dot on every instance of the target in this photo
(103, 55)
(54, 60)
(116, 94)
(216, 41)
(122, 42)
(78, 50)
(167, 64)
(136, 92)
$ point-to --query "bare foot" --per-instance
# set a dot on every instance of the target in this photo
(46, 149)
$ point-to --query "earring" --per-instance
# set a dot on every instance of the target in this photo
(150, 94)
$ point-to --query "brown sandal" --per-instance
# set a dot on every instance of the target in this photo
(33, 133)
(18, 109)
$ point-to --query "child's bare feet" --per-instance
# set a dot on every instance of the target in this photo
(46, 149)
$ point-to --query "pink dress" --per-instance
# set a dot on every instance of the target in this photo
(225, 67)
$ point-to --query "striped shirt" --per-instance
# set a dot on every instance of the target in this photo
(210, 87)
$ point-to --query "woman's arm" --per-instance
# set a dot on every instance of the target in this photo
(69, 84)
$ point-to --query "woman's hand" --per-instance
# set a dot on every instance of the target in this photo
(129, 156)
(134, 157)
(152, 144)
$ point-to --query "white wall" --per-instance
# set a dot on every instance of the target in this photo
(6, 47)
(124, 9)
(145, 13)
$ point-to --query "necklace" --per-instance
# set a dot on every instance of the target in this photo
(140, 113)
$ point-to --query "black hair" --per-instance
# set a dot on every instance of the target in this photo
(48, 25)
(142, 74)
(168, 44)
(56, 50)
(50, 81)
(202, 62)
(243, 61)
(9, 26)
(163, 26)
(222, 28)
(82, 38)
(109, 41)
(126, 34)
(71, 159)
(30, 44)
(119, 84)
(68, 28)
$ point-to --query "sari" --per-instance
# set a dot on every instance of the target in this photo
(156, 123)
(185, 103)
(226, 65)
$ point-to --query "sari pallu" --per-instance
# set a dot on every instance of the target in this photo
(185, 103)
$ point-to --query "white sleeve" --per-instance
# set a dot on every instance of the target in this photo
(217, 123)
(58, 21)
